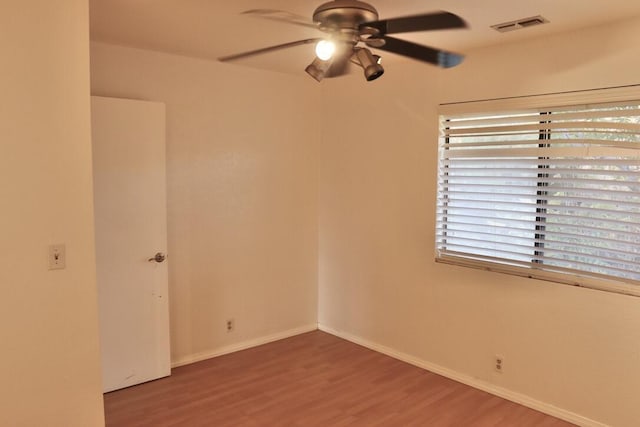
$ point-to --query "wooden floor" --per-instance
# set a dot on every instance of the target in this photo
(314, 379)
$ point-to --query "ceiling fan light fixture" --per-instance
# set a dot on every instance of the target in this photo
(325, 49)
(370, 64)
(318, 68)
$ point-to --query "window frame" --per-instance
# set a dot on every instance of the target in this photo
(551, 101)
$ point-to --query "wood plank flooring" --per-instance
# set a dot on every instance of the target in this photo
(313, 379)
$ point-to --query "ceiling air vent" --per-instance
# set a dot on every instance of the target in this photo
(520, 24)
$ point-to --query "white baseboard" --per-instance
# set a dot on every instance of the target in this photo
(204, 355)
(468, 380)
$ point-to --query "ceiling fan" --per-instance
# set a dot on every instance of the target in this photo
(350, 24)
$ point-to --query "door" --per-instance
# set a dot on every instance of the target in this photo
(131, 228)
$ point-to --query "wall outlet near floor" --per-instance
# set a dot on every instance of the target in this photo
(57, 257)
(498, 363)
(231, 325)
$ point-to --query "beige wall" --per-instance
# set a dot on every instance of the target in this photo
(242, 194)
(573, 349)
(48, 319)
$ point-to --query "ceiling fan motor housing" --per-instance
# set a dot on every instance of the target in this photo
(344, 14)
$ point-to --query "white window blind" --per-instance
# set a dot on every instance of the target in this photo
(552, 193)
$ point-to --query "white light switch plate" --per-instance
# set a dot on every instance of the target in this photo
(57, 257)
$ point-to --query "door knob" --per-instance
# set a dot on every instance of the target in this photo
(159, 257)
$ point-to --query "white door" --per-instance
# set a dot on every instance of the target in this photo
(131, 227)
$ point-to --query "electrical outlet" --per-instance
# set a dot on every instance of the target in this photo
(498, 363)
(231, 325)
(57, 257)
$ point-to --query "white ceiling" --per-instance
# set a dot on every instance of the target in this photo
(210, 28)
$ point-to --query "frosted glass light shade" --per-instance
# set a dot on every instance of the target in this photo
(325, 49)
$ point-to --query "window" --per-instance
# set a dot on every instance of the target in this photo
(545, 192)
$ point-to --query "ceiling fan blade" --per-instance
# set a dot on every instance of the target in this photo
(267, 50)
(422, 53)
(281, 16)
(426, 22)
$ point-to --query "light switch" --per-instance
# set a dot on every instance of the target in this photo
(57, 257)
